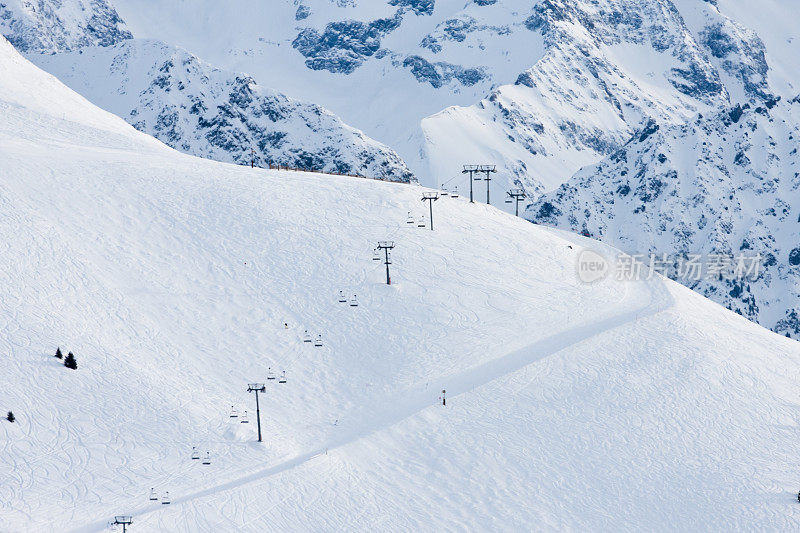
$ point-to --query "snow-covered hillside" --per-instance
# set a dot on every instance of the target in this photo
(610, 406)
(724, 184)
(184, 102)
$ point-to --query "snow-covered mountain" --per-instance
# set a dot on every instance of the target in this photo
(382, 66)
(608, 67)
(189, 105)
(183, 101)
(540, 88)
(723, 184)
(57, 26)
(176, 281)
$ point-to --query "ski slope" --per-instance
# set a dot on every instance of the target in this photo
(611, 406)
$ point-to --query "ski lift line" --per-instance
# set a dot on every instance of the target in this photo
(448, 181)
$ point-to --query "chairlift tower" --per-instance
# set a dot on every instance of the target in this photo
(471, 170)
(515, 195)
(386, 246)
(479, 169)
(430, 197)
(257, 387)
(123, 521)
(260, 387)
(488, 170)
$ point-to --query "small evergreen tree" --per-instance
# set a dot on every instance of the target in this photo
(10, 417)
(70, 361)
(59, 355)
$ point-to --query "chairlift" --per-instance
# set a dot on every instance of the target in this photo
(318, 342)
(195, 453)
(165, 500)
(444, 191)
(410, 219)
(376, 256)
(283, 377)
(270, 374)
(307, 337)
(454, 194)
(353, 301)
(244, 419)
(153, 495)
(234, 414)
(422, 222)
(207, 460)
(342, 298)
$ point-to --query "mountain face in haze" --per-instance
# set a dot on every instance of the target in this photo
(726, 184)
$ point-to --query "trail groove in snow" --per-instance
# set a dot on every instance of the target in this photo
(412, 402)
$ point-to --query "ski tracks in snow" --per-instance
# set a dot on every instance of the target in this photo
(413, 401)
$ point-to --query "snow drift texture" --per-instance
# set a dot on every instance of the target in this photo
(617, 406)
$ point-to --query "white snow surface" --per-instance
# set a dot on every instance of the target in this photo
(604, 407)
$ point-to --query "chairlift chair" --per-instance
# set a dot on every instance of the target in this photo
(353, 301)
(207, 460)
(318, 342)
(342, 298)
(422, 223)
(244, 419)
(283, 377)
(307, 337)
(376, 256)
(410, 219)
(153, 495)
(234, 414)
(195, 454)
(444, 191)
(454, 194)
(270, 374)
(165, 500)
